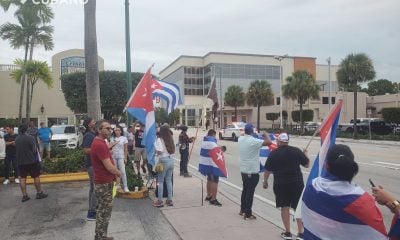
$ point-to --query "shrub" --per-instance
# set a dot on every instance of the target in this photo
(133, 179)
(68, 161)
(308, 115)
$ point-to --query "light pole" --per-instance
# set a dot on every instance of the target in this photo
(280, 58)
(329, 81)
(220, 92)
(128, 57)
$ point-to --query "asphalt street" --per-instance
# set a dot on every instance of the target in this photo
(381, 163)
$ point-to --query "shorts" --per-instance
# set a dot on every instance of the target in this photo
(44, 146)
(139, 154)
(33, 170)
(212, 178)
(131, 150)
(288, 195)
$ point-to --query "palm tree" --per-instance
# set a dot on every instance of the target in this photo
(34, 71)
(91, 62)
(234, 97)
(259, 94)
(31, 31)
(354, 69)
(301, 86)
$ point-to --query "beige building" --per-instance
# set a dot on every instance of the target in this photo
(193, 74)
(48, 105)
(376, 103)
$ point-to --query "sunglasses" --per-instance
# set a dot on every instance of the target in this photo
(107, 128)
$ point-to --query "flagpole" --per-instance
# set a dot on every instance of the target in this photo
(195, 137)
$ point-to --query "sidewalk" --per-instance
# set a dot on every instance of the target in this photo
(192, 220)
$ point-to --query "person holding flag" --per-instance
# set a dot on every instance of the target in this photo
(212, 165)
(249, 148)
(285, 163)
(335, 208)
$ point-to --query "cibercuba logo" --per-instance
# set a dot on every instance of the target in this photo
(59, 2)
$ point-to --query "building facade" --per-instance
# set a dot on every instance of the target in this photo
(193, 74)
(48, 104)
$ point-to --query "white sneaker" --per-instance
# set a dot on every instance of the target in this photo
(6, 181)
(17, 181)
(126, 189)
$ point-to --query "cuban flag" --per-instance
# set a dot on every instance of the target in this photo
(266, 150)
(169, 92)
(347, 211)
(140, 106)
(212, 159)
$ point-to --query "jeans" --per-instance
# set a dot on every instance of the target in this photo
(250, 182)
(119, 162)
(8, 160)
(184, 160)
(166, 176)
(92, 194)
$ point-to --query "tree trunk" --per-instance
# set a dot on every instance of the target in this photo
(355, 132)
(236, 118)
(22, 89)
(91, 63)
(258, 117)
(301, 116)
(29, 86)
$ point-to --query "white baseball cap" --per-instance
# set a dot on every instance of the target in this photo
(283, 137)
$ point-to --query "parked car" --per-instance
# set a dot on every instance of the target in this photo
(233, 131)
(396, 130)
(64, 136)
(376, 125)
(311, 126)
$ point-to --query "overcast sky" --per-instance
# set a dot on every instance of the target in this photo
(162, 30)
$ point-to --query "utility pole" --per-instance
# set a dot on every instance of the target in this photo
(329, 81)
(128, 58)
(280, 58)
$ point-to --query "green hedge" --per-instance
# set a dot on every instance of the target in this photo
(71, 162)
(133, 179)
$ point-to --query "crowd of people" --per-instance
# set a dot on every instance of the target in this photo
(107, 151)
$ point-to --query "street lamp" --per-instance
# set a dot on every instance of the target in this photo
(220, 92)
(128, 57)
(280, 58)
(42, 109)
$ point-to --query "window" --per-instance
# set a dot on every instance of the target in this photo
(333, 100)
(325, 100)
(278, 101)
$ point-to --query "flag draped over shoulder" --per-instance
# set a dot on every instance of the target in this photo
(347, 212)
(332, 209)
(212, 94)
(266, 150)
(140, 106)
(169, 92)
(212, 159)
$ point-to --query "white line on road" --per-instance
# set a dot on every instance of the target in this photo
(379, 165)
(393, 164)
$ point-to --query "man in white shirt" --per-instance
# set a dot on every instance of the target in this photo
(249, 148)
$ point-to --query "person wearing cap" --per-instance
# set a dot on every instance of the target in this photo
(249, 148)
(284, 162)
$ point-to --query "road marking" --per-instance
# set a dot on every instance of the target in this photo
(393, 164)
(379, 165)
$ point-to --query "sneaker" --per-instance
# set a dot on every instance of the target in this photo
(41, 195)
(187, 175)
(158, 204)
(215, 203)
(207, 199)
(126, 189)
(25, 198)
(6, 181)
(17, 181)
(251, 217)
(169, 203)
(300, 236)
(241, 213)
(91, 216)
(181, 174)
(286, 235)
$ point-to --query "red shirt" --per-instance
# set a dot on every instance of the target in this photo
(98, 152)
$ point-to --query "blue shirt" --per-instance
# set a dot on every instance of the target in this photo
(44, 134)
(249, 150)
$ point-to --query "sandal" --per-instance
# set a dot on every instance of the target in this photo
(169, 203)
(158, 204)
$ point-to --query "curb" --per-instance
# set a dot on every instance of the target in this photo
(133, 195)
(61, 177)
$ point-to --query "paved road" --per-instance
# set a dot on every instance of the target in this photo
(379, 162)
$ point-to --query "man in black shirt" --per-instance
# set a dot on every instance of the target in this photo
(285, 163)
(9, 138)
(28, 162)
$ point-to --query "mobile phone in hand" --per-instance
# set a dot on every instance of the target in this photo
(371, 182)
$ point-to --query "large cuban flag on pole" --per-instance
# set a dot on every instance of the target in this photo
(332, 209)
(169, 92)
(212, 159)
(140, 106)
